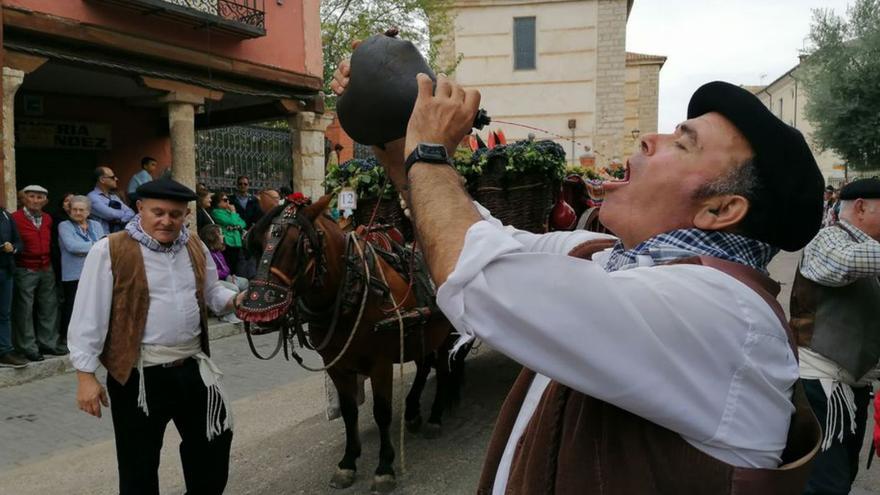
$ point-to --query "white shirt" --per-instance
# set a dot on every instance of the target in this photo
(684, 346)
(173, 317)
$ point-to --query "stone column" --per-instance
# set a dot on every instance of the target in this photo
(182, 131)
(307, 143)
(12, 79)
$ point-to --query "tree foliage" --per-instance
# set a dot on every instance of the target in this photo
(344, 21)
(841, 76)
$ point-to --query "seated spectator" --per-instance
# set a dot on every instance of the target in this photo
(76, 237)
(232, 226)
(213, 239)
(35, 303)
(107, 207)
(10, 243)
(203, 204)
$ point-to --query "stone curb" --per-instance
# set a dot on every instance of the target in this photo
(10, 377)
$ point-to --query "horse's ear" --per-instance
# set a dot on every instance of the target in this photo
(315, 209)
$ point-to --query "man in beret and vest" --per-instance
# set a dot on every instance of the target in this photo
(682, 377)
(141, 312)
(835, 312)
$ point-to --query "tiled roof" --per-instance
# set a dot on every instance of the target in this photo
(644, 57)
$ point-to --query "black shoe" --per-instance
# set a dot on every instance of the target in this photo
(54, 351)
(33, 356)
(12, 360)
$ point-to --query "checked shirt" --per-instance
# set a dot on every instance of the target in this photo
(834, 259)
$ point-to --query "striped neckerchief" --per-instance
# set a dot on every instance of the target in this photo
(137, 233)
(684, 243)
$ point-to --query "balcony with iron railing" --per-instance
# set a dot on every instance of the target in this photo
(241, 18)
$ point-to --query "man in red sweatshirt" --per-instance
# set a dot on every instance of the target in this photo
(35, 281)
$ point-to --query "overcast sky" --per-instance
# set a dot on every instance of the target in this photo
(705, 40)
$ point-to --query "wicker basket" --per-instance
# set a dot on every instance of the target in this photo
(523, 201)
(390, 213)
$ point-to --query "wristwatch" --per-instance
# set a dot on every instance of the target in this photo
(427, 153)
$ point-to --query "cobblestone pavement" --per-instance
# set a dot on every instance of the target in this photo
(283, 444)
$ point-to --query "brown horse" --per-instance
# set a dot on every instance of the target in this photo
(334, 281)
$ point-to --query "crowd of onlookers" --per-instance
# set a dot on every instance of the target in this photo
(42, 253)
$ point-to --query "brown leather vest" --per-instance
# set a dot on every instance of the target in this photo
(576, 444)
(131, 302)
(840, 323)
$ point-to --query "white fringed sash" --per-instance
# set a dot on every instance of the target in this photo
(155, 355)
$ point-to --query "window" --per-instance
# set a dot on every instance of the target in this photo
(780, 108)
(523, 43)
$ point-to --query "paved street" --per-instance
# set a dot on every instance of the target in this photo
(282, 445)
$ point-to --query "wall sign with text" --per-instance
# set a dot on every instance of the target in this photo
(62, 135)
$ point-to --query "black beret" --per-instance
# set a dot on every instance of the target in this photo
(792, 185)
(166, 189)
(861, 189)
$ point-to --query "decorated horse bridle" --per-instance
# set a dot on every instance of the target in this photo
(268, 300)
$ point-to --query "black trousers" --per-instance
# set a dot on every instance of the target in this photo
(173, 394)
(835, 469)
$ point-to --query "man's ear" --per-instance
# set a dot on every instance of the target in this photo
(721, 212)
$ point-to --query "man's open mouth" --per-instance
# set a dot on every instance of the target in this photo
(615, 183)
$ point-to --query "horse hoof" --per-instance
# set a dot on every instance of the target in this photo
(414, 425)
(383, 483)
(432, 431)
(343, 478)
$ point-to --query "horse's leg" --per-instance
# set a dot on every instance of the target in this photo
(413, 414)
(441, 396)
(381, 379)
(456, 375)
(346, 385)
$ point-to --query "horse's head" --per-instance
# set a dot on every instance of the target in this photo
(291, 260)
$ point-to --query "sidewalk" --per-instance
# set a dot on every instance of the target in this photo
(40, 419)
(53, 366)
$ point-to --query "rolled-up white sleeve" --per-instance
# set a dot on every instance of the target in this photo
(217, 297)
(685, 346)
(91, 309)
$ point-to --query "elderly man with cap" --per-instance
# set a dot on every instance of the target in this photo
(835, 310)
(141, 311)
(35, 301)
(681, 378)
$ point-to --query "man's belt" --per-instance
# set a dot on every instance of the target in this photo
(176, 363)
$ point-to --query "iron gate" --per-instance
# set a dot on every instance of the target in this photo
(261, 153)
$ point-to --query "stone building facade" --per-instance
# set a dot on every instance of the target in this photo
(576, 88)
(641, 96)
